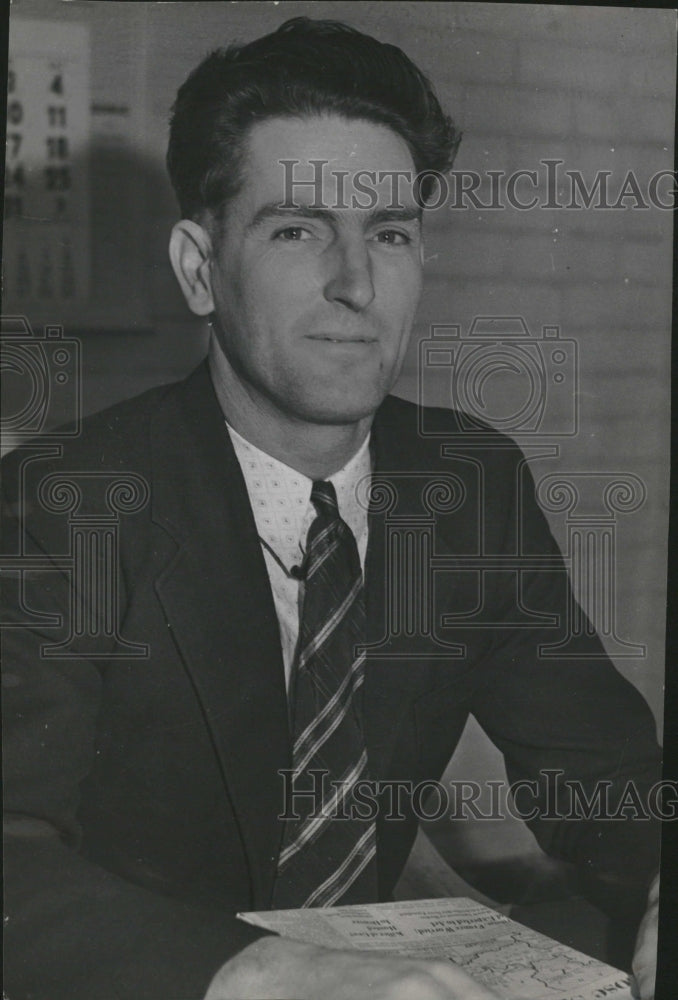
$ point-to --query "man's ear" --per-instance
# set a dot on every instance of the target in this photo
(190, 250)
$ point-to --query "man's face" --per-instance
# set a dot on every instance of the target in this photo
(315, 305)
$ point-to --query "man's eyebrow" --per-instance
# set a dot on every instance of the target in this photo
(274, 210)
(411, 213)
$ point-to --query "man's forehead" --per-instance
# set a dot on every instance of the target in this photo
(331, 135)
(329, 162)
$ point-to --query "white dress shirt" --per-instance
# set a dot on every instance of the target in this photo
(283, 512)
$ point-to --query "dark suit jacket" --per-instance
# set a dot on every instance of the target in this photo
(143, 793)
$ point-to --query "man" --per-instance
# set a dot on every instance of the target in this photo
(149, 798)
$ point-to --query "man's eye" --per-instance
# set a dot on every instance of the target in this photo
(292, 234)
(393, 237)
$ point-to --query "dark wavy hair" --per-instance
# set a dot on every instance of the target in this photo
(306, 67)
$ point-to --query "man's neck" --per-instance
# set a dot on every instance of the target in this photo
(315, 450)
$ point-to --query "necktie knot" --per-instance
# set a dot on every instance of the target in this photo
(329, 532)
(324, 498)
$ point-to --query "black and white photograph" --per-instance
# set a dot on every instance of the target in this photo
(336, 348)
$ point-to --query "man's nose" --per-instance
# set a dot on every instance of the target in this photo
(350, 280)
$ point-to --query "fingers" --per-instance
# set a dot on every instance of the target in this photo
(643, 986)
(645, 958)
(653, 894)
(645, 973)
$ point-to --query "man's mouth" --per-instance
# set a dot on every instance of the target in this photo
(342, 340)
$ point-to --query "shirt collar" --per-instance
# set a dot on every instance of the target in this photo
(281, 497)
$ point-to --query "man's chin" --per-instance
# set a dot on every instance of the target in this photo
(342, 411)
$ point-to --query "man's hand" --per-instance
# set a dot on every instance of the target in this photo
(278, 968)
(645, 957)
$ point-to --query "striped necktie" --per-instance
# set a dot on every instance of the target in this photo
(328, 853)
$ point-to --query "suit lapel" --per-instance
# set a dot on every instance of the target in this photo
(219, 606)
(218, 603)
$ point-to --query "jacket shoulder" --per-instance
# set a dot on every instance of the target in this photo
(112, 439)
(421, 426)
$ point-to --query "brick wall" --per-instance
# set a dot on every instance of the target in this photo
(590, 86)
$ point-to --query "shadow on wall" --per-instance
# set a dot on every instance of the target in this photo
(112, 336)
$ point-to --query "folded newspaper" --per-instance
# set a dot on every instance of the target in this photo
(516, 962)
